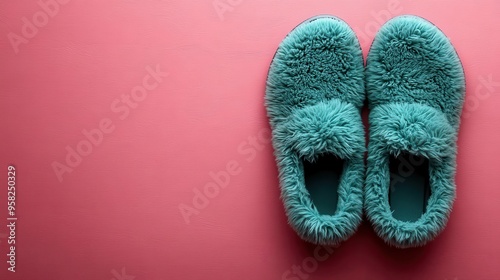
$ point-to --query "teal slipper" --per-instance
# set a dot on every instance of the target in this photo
(314, 93)
(416, 87)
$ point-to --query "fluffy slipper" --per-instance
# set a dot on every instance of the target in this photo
(314, 93)
(416, 86)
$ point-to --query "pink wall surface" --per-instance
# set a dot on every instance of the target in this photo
(117, 114)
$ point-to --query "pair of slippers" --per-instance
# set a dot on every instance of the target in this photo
(316, 87)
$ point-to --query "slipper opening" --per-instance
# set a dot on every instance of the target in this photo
(322, 177)
(409, 187)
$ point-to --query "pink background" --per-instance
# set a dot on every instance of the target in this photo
(117, 214)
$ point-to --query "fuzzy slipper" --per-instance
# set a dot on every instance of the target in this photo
(416, 86)
(314, 93)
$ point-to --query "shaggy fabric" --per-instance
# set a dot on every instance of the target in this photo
(314, 93)
(416, 86)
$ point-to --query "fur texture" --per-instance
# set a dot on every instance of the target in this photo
(314, 93)
(416, 86)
